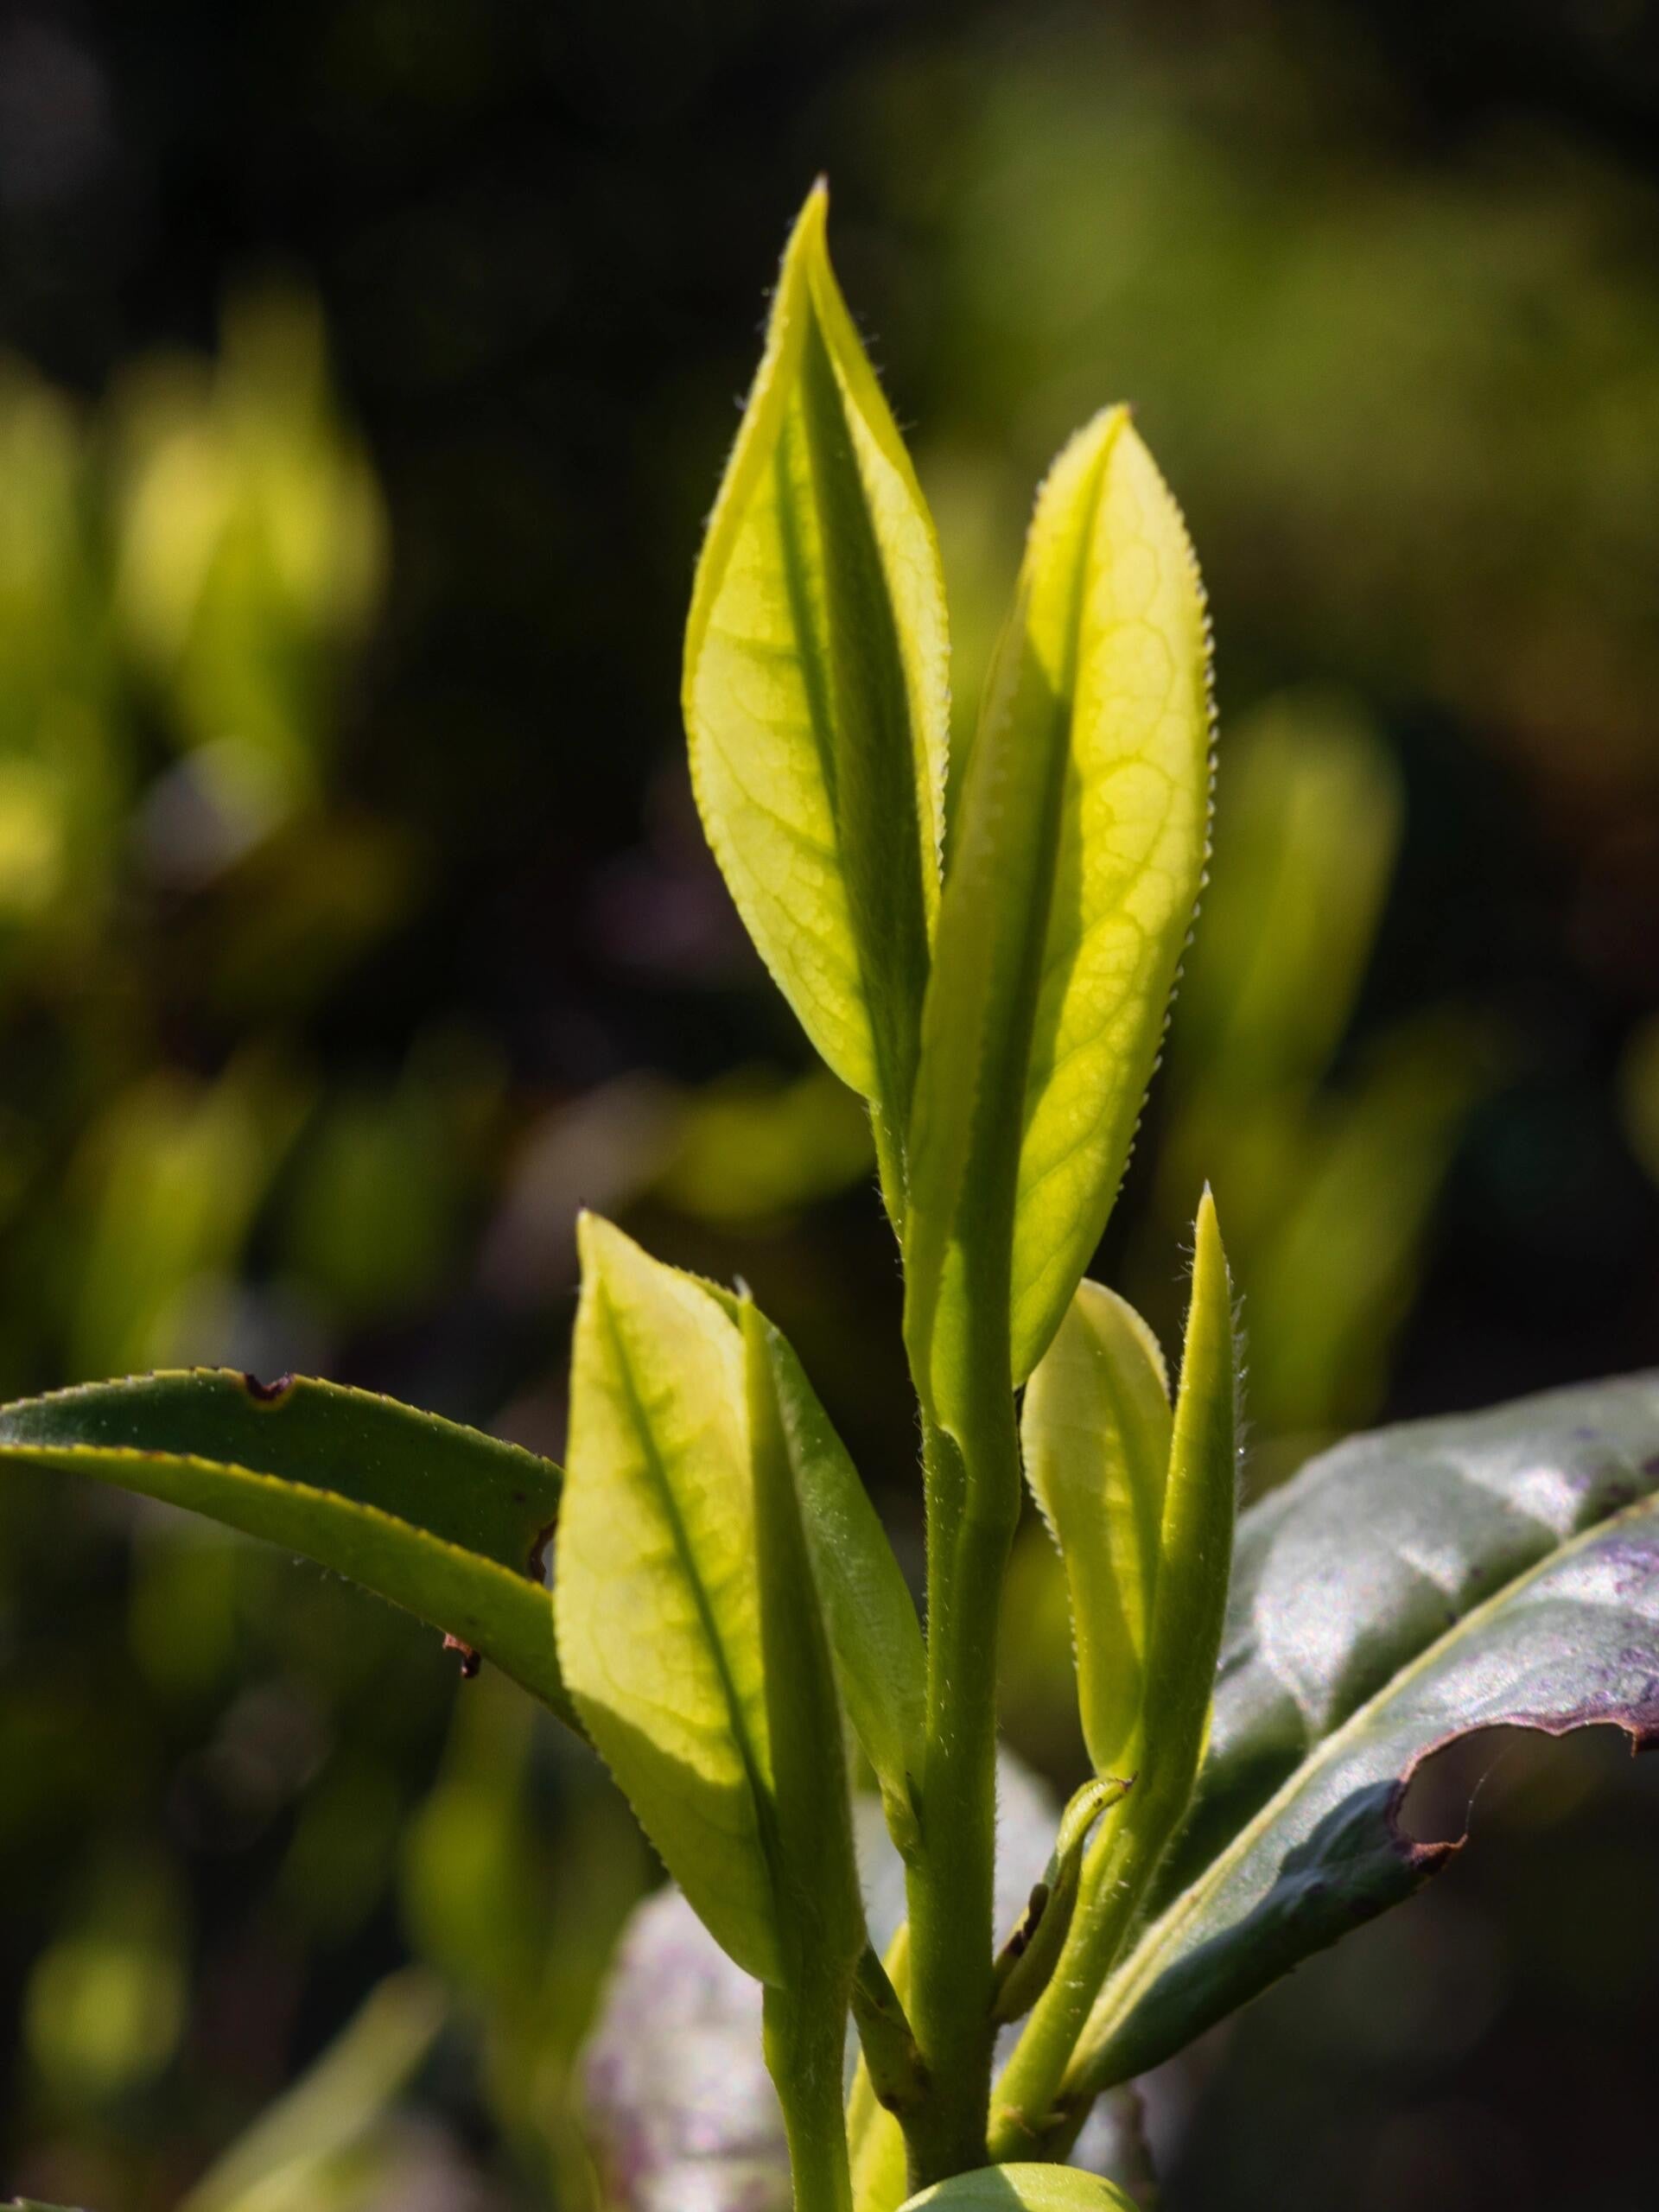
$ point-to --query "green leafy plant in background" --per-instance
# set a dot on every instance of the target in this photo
(983, 947)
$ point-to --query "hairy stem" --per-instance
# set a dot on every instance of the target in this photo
(972, 1504)
(806, 2039)
(1119, 1864)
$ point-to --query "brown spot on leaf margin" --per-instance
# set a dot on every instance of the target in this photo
(268, 1394)
(1640, 1723)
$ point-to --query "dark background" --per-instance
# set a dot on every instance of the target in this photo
(378, 932)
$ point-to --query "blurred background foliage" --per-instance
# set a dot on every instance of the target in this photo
(368, 366)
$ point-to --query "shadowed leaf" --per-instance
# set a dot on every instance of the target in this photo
(821, 1912)
(446, 1522)
(1405, 1590)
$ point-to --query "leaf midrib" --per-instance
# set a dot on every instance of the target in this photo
(760, 1794)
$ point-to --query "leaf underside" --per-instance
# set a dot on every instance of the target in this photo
(657, 1595)
(441, 1520)
(1408, 1589)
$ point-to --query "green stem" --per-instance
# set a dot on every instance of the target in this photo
(972, 1505)
(804, 2044)
(1116, 1874)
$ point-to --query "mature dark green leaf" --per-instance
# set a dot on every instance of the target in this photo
(445, 1521)
(1405, 1590)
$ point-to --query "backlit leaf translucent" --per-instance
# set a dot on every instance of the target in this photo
(815, 691)
(1097, 1428)
(1075, 859)
(1022, 2188)
(656, 1593)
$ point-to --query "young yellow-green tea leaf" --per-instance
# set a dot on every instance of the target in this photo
(1075, 859)
(1096, 1427)
(815, 692)
(821, 1914)
(1026, 1961)
(1022, 2188)
(655, 1595)
(1196, 1545)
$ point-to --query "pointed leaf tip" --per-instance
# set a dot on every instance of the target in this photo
(815, 691)
(1076, 848)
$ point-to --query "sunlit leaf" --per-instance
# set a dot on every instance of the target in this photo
(447, 1523)
(1022, 2188)
(658, 1593)
(656, 1596)
(815, 692)
(1076, 859)
(1500, 1569)
(1095, 1428)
